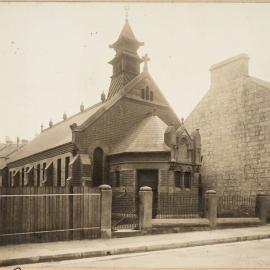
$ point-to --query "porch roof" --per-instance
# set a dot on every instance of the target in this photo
(147, 136)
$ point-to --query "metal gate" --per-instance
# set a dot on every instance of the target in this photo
(125, 210)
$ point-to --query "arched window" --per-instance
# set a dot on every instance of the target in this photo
(98, 167)
(147, 93)
(142, 94)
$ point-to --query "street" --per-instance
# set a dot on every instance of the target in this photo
(233, 255)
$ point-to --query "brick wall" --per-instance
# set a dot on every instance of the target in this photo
(234, 121)
(115, 123)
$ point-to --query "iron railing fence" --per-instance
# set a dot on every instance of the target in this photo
(179, 205)
(268, 208)
(125, 210)
(236, 205)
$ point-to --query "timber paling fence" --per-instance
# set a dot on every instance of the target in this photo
(38, 214)
(236, 205)
(178, 205)
(125, 210)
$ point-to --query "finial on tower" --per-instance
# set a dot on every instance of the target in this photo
(182, 120)
(145, 59)
(126, 13)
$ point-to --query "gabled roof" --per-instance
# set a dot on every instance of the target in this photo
(57, 135)
(61, 134)
(123, 92)
(147, 136)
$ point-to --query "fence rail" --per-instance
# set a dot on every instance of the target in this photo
(32, 214)
(178, 205)
(236, 205)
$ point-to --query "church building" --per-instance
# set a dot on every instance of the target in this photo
(132, 138)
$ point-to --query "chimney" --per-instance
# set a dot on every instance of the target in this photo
(230, 69)
(82, 107)
(18, 141)
(64, 116)
(41, 127)
(50, 123)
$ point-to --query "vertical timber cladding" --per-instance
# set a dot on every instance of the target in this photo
(27, 214)
(234, 122)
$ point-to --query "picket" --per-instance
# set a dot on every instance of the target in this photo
(32, 214)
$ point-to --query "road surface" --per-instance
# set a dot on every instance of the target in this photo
(233, 255)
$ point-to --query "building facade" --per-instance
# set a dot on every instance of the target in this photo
(234, 122)
(130, 139)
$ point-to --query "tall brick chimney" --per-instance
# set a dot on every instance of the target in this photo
(230, 69)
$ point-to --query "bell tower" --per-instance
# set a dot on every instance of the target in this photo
(126, 62)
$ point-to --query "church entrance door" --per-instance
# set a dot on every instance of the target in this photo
(149, 178)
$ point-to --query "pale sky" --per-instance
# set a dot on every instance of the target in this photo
(53, 56)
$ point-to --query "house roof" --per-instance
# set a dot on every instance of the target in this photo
(59, 134)
(147, 136)
(6, 150)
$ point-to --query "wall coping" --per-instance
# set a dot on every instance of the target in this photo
(229, 60)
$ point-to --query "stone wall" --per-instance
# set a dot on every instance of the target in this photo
(234, 122)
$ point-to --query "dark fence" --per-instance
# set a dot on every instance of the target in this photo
(236, 205)
(125, 210)
(34, 214)
(268, 208)
(179, 205)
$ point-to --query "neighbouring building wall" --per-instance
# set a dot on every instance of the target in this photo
(234, 122)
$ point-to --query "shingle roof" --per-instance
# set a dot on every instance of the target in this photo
(118, 82)
(147, 136)
(57, 135)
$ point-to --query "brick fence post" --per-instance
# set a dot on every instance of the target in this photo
(211, 207)
(261, 207)
(105, 211)
(145, 208)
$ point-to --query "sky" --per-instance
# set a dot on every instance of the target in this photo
(54, 56)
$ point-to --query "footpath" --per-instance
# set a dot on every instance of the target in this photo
(17, 255)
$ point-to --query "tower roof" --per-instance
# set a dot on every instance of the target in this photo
(126, 34)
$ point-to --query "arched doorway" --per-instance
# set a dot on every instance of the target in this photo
(98, 157)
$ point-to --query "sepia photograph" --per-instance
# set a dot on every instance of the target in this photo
(134, 135)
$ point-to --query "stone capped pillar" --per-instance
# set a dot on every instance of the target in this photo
(145, 208)
(105, 211)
